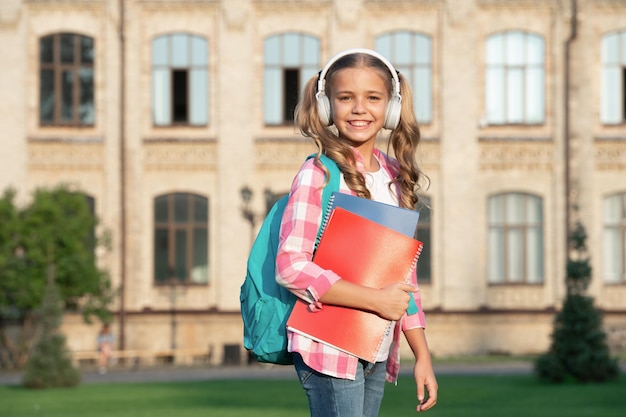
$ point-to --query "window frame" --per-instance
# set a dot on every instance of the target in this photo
(614, 239)
(507, 71)
(613, 78)
(502, 232)
(193, 228)
(81, 72)
(418, 65)
(168, 60)
(282, 53)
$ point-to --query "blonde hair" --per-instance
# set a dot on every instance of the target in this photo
(403, 140)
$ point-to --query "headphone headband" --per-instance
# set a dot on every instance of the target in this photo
(392, 115)
(321, 81)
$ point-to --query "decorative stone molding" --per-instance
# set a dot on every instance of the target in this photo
(179, 5)
(93, 5)
(429, 155)
(516, 296)
(528, 155)
(282, 153)
(65, 156)
(278, 153)
(610, 154)
(348, 13)
(174, 155)
(613, 297)
(236, 13)
(10, 12)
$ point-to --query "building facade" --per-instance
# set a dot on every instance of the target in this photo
(164, 111)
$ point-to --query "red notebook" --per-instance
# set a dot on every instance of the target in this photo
(364, 252)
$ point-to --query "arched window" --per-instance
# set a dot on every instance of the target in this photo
(515, 239)
(290, 60)
(66, 80)
(514, 79)
(181, 239)
(411, 54)
(614, 251)
(613, 110)
(180, 80)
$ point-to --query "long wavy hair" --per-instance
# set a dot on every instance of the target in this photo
(403, 140)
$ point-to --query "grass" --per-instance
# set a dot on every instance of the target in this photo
(459, 396)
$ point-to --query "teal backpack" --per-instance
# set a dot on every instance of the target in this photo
(266, 305)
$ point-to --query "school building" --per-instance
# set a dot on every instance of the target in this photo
(175, 118)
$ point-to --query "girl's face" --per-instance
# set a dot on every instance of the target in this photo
(359, 100)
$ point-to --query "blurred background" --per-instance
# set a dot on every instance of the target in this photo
(174, 120)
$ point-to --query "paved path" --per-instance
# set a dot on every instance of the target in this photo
(163, 374)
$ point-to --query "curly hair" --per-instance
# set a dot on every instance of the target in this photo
(403, 140)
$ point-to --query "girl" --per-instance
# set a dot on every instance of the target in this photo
(344, 109)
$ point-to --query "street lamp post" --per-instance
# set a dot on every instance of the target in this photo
(250, 215)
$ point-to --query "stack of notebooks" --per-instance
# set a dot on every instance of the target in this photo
(369, 243)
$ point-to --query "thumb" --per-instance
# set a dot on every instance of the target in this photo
(407, 287)
(420, 394)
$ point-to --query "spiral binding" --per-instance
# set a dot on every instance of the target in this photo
(325, 219)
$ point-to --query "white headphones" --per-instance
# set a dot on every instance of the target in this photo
(392, 115)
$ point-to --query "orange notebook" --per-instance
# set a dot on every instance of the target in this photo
(364, 252)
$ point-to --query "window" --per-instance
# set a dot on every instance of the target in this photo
(515, 239)
(410, 53)
(291, 59)
(423, 234)
(614, 252)
(181, 239)
(180, 81)
(613, 107)
(514, 80)
(66, 80)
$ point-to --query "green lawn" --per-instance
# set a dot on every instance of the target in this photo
(459, 396)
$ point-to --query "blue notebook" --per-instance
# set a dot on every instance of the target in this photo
(397, 218)
(400, 219)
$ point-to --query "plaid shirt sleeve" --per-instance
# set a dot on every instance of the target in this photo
(298, 232)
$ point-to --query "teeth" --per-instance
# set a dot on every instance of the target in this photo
(358, 123)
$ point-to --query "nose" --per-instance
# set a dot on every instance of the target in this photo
(358, 106)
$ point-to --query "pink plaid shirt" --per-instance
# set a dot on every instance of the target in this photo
(299, 274)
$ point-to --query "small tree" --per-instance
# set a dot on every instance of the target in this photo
(50, 364)
(579, 348)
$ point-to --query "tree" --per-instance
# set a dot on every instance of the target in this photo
(579, 348)
(11, 293)
(50, 364)
(57, 229)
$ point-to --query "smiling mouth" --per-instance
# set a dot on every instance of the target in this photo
(359, 123)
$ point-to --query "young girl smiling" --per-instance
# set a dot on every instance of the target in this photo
(355, 99)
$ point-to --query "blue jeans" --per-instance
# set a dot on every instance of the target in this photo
(335, 397)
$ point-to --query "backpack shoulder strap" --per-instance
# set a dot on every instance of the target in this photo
(331, 186)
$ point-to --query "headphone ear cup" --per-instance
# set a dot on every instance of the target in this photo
(323, 109)
(392, 116)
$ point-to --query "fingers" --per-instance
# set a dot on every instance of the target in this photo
(432, 396)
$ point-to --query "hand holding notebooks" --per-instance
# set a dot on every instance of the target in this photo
(397, 218)
(364, 252)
